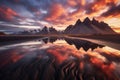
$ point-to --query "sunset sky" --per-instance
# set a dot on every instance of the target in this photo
(18, 15)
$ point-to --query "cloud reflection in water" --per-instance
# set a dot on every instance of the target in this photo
(59, 62)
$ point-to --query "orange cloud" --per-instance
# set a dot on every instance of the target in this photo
(55, 12)
(83, 2)
(111, 1)
(76, 2)
(7, 13)
(98, 5)
(72, 2)
(63, 13)
(59, 15)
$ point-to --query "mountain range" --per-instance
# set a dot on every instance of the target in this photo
(86, 27)
(89, 27)
(43, 31)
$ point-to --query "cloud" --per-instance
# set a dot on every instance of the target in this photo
(72, 2)
(76, 2)
(83, 2)
(99, 5)
(7, 14)
(113, 11)
(55, 12)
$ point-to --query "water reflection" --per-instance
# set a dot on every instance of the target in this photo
(76, 42)
(53, 61)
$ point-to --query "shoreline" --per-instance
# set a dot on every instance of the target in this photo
(106, 37)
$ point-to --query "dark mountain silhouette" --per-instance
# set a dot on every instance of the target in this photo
(78, 22)
(89, 27)
(52, 30)
(2, 33)
(86, 27)
(87, 21)
(69, 29)
(44, 30)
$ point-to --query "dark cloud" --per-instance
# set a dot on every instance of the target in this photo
(113, 11)
(54, 12)
(99, 5)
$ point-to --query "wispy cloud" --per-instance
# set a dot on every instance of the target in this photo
(57, 13)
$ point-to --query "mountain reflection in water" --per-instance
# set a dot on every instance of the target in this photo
(60, 59)
(76, 42)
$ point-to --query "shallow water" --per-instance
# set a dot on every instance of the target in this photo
(59, 59)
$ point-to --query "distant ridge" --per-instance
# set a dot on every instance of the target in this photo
(80, 27)
(89, 27)
(2, 33)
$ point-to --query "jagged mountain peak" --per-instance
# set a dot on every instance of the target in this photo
(89, 27)
(70, 25)
(94, 21)
(78, 22)
(51, 27)
(45, 26)
(87, 20)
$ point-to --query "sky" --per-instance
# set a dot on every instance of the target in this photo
(16, 15)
